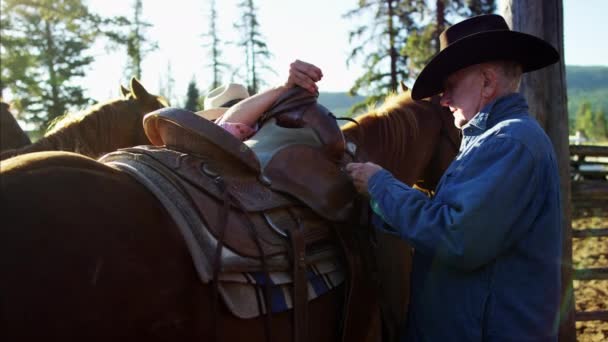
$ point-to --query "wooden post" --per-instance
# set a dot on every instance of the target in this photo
(545, 91)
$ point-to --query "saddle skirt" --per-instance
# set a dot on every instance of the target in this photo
(193, 201)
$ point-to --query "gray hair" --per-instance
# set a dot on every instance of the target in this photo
(512, 72)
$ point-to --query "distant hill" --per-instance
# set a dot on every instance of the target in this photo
(337, 102)
(585, 83)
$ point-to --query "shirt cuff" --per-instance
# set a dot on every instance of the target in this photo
(377, 181)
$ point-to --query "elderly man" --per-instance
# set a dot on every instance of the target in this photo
(488, 243)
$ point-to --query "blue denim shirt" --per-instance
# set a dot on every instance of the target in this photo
(488, 244)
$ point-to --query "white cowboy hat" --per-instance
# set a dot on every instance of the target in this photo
(221, 98)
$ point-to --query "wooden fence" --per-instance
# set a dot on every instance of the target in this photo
(589, 170)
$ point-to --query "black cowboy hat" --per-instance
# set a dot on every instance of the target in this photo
(476, 40)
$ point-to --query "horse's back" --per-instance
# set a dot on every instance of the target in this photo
(84, 250)
(88, 253)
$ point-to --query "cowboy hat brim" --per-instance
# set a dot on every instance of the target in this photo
(213, 113)
(531, 52)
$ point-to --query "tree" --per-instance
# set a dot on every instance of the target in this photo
(137, 43)
(545, 91)
(255, 49)
(16, 63)
(215, 52)
(165, 87)
(52, 37)
(592, 123)
(601, 125)
(380, 44)
(423, 41)
(192, 97)
(584, 119)
(401, 39)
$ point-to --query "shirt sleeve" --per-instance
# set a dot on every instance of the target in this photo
(238, 130)
(482, 207)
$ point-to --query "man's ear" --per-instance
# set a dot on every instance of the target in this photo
(490, 80)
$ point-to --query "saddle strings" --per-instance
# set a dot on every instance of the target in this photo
(360, 136)
(228, 200)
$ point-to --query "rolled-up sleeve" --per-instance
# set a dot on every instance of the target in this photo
(483, 205)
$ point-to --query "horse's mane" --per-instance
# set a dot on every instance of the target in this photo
(393, 123)
(103, 128)
(116, 117)
(110, 110)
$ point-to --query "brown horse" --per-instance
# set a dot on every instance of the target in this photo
(11, 134)
(103, 128)
(88, 253)
(416, 141)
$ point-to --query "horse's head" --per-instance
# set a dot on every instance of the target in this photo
(411, 139)
(12, 136)
(142, 103)
(146, 101)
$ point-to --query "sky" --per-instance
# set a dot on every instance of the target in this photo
(311, 30)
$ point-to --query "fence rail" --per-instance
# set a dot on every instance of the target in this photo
(599, 315)
(589, 189)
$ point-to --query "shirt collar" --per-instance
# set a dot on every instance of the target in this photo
(494, 111)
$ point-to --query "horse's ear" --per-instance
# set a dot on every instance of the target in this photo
(124, 91)
(138, 90)
(404, 88)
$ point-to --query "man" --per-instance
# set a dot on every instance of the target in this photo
(488, 243)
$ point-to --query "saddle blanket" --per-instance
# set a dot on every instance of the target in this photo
(243, 293)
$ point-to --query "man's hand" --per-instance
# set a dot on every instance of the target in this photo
(360, 173)
(304, 75)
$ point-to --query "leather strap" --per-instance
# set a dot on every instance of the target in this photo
(300, 286)
(355, 322)
(217, 260)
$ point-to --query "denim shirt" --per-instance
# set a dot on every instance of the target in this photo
(488, 243)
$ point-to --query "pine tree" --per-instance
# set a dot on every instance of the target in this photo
(423, 41)
(192, 97)
(215, 48)
(600, 126)
(401, 39)
(165, 87)
(255, 49)
(584, 119)
(136, 42)
(381, 44)
(44, 49)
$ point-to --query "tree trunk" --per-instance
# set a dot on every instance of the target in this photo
(440, 17)
(392, 50)
(545, 91)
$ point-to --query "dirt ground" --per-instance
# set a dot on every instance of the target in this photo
(590, 295)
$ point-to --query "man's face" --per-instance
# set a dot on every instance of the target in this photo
(462, 93)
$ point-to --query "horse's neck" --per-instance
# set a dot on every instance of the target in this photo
(402, 146)
(377, 143)
(98, 132)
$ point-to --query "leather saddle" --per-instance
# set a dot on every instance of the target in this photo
(296, 153)
(283, 192)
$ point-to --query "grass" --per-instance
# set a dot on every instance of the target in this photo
(590, 295)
